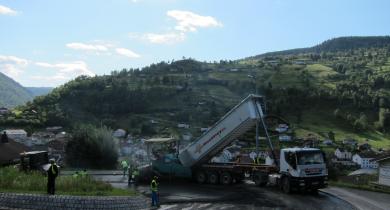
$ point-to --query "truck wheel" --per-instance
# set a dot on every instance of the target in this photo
(314, 192)
(213, 178)
(226, 178)
(240, 178)
(259, 180)
(286, 187)
(201, 177)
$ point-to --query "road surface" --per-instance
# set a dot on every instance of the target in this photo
(187, 195)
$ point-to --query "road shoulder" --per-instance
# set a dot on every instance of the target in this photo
(361, 199)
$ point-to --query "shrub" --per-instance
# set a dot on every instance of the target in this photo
(92, 147)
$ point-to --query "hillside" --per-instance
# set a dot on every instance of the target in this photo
(346, 91)
(12, 93)
(39, 91)
(334, 45)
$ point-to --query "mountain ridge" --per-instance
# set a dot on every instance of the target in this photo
(12, 93)
(333, 45)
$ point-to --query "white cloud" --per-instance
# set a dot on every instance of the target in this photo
(10, 70)
(167, 38)
(127, 53)
(186, 22)
(64, 71)
(12, 66)
(189, 21)
(7, 11)
(13, 59)
(87, 47)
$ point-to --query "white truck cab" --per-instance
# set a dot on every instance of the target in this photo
(302, 169)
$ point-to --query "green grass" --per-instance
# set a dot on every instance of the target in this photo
(321, 120)
(227, 75)
(320, 71)
(12, 180)
(286, 77)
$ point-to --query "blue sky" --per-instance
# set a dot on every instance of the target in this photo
(46, 43)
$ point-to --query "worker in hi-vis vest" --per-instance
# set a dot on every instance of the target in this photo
(52, 174)
(154, 189)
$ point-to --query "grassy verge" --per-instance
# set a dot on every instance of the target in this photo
(359, 187)
(12, 180)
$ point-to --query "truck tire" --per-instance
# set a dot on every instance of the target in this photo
(213, 178)
(286, 187)
(314, 191)
(201, 177)
(226, 178)
(259, 180)
(239, 178)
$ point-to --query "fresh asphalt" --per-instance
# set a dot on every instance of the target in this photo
(182, 194)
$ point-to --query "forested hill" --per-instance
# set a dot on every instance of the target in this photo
(12, 93)
(336, 44)
(39, 91)
(345, 91)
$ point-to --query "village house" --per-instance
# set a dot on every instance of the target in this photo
(3, 111)
(19, 135)
(285, 138)
(365, 160)
(350, 142)
(342, 154)
(327, 142)
(187, 137)
(384, 171)
(42, 138)
(61, 136)
(54, 129)
(119, 133)
(273, 62)
(183, 125)
(282, 128)
(299, 62)
(10, 151)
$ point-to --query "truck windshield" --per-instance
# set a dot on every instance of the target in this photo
(307, 158)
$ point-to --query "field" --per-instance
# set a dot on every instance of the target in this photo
(12, 180)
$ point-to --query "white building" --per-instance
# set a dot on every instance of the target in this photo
(282, 128)
(16, 134)
(365, 160)
(342, 154)
(187, 137)
(183, 125)
(384, 171)
(284, 138)
(119, 133)
(4, 110)
(42, 138)
(327, 142)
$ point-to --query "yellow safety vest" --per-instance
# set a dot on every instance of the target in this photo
(52, 168)
(153, 186)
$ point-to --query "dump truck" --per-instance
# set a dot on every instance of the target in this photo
(292, 169)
